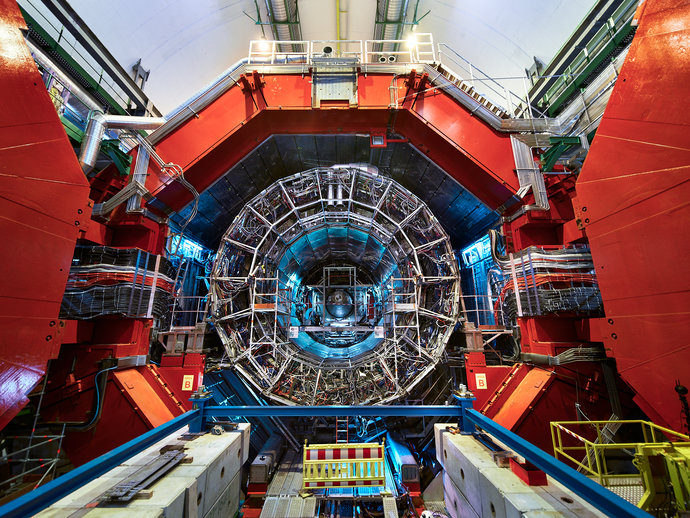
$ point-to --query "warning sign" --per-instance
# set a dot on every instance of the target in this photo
(480, 380)
(188, 382)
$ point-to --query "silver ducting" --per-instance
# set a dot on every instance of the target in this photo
(91, 143)
(133, 123)
(95, 129)
(390, 30)
(278, 8)
(362, 166)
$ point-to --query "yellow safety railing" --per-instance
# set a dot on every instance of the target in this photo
(593, 453)
(343, 465)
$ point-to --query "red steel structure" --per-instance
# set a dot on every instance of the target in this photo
(631, 205)
(634, 204)
(44, 206)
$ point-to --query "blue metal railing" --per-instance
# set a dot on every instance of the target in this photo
(41, 497)
(199, 418)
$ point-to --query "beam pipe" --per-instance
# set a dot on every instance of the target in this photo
(333, 411)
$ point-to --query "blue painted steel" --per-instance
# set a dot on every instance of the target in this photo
(332, 411)
(466, 403)
(597, 495)
(42, 497)
(198, 424)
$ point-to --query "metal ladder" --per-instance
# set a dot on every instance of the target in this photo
(267, 303)
(342, 430)
(405, 302)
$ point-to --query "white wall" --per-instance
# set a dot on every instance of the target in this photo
(501, 37)
(187, 43)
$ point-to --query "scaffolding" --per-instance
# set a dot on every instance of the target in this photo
(335, 286)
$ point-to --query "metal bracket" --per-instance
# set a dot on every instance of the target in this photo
(143, 478)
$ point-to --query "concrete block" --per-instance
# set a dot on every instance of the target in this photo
(495, 492)
(439, 430)
(69, 512)
(228, 502)
(464, 458)
(457, 504)
(190, 490)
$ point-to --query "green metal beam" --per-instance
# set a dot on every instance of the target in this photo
(94, 85)
(73, 131)
(580, 77)
(559, 145)
(122, 160)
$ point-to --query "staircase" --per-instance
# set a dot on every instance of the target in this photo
(469, 90)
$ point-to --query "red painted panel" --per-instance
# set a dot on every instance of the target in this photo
(173, 370)
(43, 204)
(232, 126)
(143, 397)
(524, 397)
(633, 194)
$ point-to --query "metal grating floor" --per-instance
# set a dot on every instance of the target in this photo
(287, 480)
(288, 507)
(390, 510)
(629, 488)
(283, 500)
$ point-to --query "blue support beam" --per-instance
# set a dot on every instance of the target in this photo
(598, 496)
(332, 411)
(609, 503)
(40, 498)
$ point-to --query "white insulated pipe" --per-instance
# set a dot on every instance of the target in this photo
(95, 129)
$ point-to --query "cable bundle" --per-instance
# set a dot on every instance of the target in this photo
(547, 281)
(111, 281)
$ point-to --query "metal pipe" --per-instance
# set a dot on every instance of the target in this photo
(390, 30)
(95, 129)
(91, 143)
(278, 12)
(133, 123)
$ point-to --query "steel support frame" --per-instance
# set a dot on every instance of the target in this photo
(268, 325)
(44, 208)
(597, 495)
(40, 498)
(435, 123)
(632, 201)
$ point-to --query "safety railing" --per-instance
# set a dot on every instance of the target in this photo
(343, 465)
(611, 32)
(189, 310)
(516, 105)
(480, 310)
(51, 30)
(593, 454)
(419, 48)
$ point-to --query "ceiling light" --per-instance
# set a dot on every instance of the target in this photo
(411, 41)
(264, 46)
